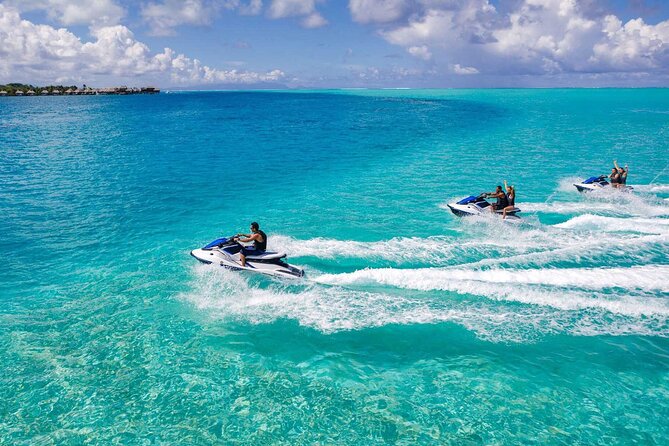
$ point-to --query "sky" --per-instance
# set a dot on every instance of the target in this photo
(243, 44)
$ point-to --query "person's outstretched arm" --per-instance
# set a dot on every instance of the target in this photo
(250, 238)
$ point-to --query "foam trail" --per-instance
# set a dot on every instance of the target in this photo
(433, 250)
(328, 309)
(651, 187)
(581, 237)
(399, 248)
(512, 285)
(522, 247)
(580, 249)
(612, 224)
(627, 207)
(647, 278)
(226, 295)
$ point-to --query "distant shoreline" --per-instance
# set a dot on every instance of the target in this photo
(19, 90)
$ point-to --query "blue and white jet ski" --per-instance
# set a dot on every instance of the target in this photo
(479, 206)
(598, 183)
(225, 252)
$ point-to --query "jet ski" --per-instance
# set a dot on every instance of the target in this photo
(225, 252)
(479, 206)
(598, 183)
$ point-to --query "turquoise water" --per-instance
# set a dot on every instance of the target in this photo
(414, 327)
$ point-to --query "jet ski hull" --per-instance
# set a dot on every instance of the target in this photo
(461, 212)
(590, 187)
(599, 183)
(476, 206)
(268, 263)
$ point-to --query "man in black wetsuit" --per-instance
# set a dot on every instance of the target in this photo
(502, 200)
(259, 239)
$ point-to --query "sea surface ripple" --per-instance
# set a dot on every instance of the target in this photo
(412, 326)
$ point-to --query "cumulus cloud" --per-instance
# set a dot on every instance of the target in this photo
(526, 37)
(34, 53)
(253, 7)
(163, 17)
(367, 11)
(458, 69)
(633, 45)
(422, 52)
(166, 15)
(74, 12)
(306, 9)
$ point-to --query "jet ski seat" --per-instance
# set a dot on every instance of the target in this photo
(511, 211)
(267, 255)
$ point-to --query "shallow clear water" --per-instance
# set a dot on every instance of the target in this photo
(413, 326)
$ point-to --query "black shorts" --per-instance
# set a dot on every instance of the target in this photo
(250, 251)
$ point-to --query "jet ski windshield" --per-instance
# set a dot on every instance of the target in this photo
(599, 179)
(467, 200)
(217, 243)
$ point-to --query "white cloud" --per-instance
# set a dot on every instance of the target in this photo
(253, 7)
(74, 12)
(458, 69)
(314, 20)
(41, 53)
(548, 36)
(632, 46)
(279, 9)
(465, 22)
(422, 52)
(530, 37)
(367, 11)
(163, 17)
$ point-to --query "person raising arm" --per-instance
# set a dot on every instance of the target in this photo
(510, 198)
(622, 174)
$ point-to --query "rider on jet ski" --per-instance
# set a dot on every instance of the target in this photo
(502, 200)
(259, 239)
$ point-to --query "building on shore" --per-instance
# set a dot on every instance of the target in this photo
(3, 93)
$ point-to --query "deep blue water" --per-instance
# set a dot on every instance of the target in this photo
(413, 326)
